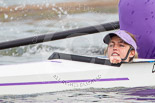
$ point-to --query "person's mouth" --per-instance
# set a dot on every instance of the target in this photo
(115, 54)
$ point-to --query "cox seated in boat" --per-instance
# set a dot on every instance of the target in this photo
(122, 46)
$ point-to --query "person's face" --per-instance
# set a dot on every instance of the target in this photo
(118, 48)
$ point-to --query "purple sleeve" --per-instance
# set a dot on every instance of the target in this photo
(138, 17)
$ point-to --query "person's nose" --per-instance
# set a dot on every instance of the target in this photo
(115, 47)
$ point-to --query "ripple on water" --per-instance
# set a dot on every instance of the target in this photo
(91, 95)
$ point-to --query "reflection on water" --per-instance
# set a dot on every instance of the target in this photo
(109, 95)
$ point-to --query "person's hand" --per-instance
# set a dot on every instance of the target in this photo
(115, 59)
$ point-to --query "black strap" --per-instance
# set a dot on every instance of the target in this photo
(127, 54)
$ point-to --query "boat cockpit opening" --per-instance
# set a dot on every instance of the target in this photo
(86, 59)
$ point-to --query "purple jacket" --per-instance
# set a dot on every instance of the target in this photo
(138, 17)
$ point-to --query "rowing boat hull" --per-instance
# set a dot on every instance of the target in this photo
(57, 75)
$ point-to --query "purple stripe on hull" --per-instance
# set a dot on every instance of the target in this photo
(64, 81)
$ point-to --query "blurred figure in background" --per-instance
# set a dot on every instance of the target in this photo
(138, 17)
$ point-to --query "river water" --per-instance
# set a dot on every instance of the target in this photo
(91, 45)
(5, 3)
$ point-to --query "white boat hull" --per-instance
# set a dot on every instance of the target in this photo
(58, 75)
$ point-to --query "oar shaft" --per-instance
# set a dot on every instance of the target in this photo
(60, 35)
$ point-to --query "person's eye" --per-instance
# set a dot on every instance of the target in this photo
(121, 45)
(111, 45)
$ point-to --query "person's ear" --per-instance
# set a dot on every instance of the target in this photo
(132, 53)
